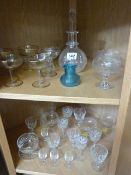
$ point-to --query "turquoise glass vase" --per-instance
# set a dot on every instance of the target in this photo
(70, 78)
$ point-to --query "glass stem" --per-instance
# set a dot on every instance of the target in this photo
(105, 79)
(63, 132)
(39, 76)
(11, 75)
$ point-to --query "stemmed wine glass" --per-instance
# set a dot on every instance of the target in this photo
(52, 116)
(52, 53)
(27, 52)
(62, 124)
(107, 63)
(53, 140)
(67, 111)
(11, 62)
(45, 133)
(38, 62)
(81, 143)
(99, 154)
(69, 157)
(94, 134)
(31, 123)
(79, 114)
(72, 134)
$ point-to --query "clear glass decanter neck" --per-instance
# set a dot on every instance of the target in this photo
(72, 39)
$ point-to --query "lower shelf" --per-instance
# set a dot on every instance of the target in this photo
(35, 167)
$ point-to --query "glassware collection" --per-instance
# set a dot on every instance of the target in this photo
(72, 130)
(107, 64)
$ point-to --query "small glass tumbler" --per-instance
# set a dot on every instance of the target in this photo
(31, 123)
(54, 156)
(69, 157)
(43, 154)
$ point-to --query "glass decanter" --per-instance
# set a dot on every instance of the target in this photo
(72, 54)
(107, 63)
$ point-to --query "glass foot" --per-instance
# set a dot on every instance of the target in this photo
(14, 83)
(40, 84)
(97, 167)
(104, 85)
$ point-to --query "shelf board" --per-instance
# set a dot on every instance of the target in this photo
(35, 167)
(85, 93)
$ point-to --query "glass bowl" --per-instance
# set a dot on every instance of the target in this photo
(28, 144)
(28, 50)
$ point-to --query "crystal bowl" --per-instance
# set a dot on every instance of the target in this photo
(28, 144)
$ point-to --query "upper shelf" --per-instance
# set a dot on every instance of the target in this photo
(85, 93)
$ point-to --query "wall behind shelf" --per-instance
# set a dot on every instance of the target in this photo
(102, 24)
(38, 22)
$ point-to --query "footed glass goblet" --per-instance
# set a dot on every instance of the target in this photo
(67, 111)
(11, 63)
(53, 140)
(79, 114)
(45, 133)
(31, 123)
(99, 154)
(63, 124)
(95, 134)
(38, 62)
(52, 53)
(72, 134)
(81, 143)
(27, 52)
(107, 63)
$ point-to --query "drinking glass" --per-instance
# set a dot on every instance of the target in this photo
(107, 63)
(11, 62)
(99, 154)
(79, 114)
(27, 52)
(62, 124)
(52, 116)
(67, 111)
(43, 154)
(72, 134)
(38, 62)
(52, 53)
(45, 133)
(95, 134)
(108, 120)
(31, 123)
(81, 143)
(69, 157)
(89, 122)
(54, 156)
(53, 140)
